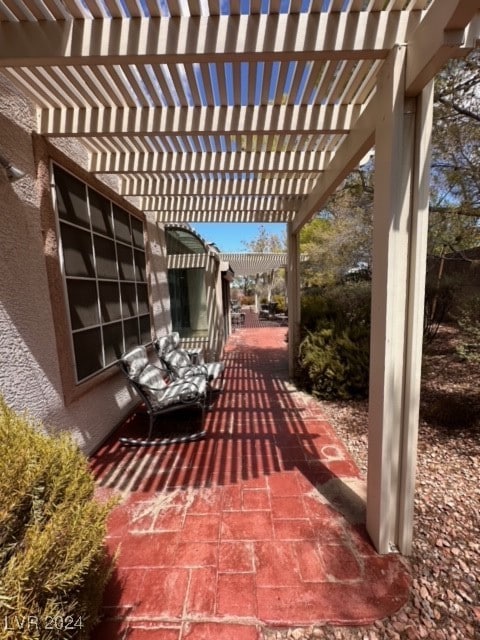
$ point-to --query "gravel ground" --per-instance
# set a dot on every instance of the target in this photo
(444, 603)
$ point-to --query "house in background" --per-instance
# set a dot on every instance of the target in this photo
(85, 276)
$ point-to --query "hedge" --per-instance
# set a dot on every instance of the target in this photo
(53, 560)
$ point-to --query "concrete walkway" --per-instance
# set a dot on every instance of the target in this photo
(259, 525)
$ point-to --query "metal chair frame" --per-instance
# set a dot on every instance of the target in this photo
(187, 393)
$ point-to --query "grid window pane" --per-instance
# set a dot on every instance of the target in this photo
(142, 296)
(71, 198)
(100, 213)
(77, 252)
(113, 342)
(140, 266)
(109, 301)
(125, 262)
(105, 257)
(121, 222)
(145, 331)
(137, 233)
(88, 352)
(83, 303)
(129, 300)
(130, 331)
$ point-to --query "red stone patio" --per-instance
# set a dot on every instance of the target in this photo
(260, 525)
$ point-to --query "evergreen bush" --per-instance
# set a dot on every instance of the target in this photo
(53, 561)
(334, 353)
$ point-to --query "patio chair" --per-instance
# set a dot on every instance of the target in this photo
(183, 363)
(162, 394)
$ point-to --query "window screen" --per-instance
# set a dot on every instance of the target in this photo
(104, 266)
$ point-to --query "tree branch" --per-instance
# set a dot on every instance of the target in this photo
(459, 109)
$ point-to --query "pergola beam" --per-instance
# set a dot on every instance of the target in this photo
(442, 34)
(220, 120)
(203, 39)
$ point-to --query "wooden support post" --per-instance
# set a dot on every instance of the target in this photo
(293, 289)
(399, 256)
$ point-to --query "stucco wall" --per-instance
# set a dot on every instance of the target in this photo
(29, 362)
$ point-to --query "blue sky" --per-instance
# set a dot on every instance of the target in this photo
(228, 236)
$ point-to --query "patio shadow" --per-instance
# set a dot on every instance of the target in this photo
(262, 523)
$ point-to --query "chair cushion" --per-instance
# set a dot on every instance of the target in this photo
(181, 364)
(168, 343)
(181, 392)
(152, 377)
(178, 358)
(134, 361)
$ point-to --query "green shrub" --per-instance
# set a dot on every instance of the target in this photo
(334, 354)
(336, 363)
(53, 561)
(280, 302)
(337, 305)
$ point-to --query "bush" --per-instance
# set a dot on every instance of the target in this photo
(334, 354)
(337, 305)
(280, 302)
(53, 562)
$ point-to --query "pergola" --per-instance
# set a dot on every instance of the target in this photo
(248, 264)
(255, 111)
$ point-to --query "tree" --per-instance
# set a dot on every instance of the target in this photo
(266, 242)
(340, 238)
(267, 283)
(455, 195)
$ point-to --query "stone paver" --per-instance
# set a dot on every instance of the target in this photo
(252, 526)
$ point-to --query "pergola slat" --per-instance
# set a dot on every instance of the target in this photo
(242, 161)
(136, 185)
(284, 119)
(183, 216)
(220, 203)
(258, 38)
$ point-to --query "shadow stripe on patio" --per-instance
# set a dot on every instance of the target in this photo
(259, 525)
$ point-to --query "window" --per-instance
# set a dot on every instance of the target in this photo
(188, 298)
(104, 267)
(188, 302)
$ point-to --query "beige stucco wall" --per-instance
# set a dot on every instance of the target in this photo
(36, 367)
(29, 363)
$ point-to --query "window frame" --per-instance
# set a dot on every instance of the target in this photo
(194, 257)
(139, 279)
